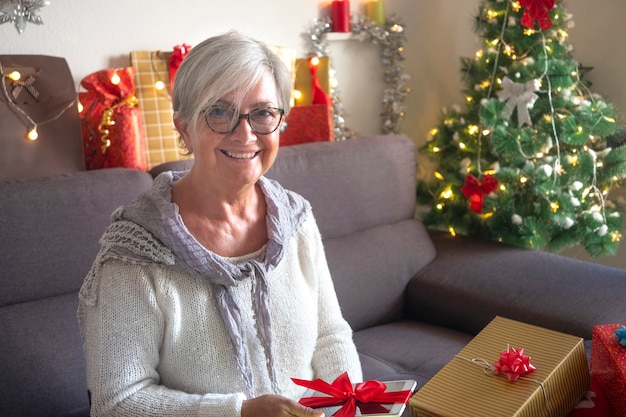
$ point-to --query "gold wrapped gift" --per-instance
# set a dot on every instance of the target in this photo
(152, 88)
(468, 387)
(304, 81)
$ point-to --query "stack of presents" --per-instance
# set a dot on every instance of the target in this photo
(516, 369)
(127, 112)
(509, 369)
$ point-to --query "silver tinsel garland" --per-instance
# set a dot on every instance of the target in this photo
(21, 12)
(390, 38)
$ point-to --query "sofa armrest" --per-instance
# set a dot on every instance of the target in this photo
(471, 281)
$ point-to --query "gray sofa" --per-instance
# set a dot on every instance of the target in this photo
(413, 297)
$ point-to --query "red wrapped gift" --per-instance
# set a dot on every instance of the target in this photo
(593, 403)
(369, 397)
(313, 123)
(111, 121)
(608, 366)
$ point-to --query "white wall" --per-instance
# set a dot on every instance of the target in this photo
(96, 34)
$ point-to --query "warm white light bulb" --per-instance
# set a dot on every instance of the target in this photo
(32, 134)
(15, 75)
(115, 79)
(159, 85)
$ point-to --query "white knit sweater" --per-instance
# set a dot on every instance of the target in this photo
(156, 345)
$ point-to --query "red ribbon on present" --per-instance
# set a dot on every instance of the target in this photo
(476, 190)
(180, 52)
(368, 395)
(537, 10)
(513, 363)
(319, 96)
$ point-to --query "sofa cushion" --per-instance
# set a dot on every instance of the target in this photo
(407, 350)
(51, 227)
(338, 177)
(45, 375)
(371, 269)
(50, 232)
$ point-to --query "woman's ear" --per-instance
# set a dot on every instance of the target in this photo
(181, 127)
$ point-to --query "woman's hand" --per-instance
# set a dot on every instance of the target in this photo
(276, 406)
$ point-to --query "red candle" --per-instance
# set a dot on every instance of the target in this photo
(340, 15)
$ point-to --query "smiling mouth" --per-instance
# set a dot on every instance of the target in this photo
(240, 155)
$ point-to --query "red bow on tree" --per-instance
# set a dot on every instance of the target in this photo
(180, 52)
(476, 190)
(368, 396)
(513, 363)
(537, 10)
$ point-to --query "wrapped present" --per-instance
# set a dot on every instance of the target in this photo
(364, 398)
(608, 364)
(312, 79)
(593, 404)
(509, 369)
(111, 122)
(304, 124)
(152, 85)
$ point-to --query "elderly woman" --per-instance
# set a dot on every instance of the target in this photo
(211, 291)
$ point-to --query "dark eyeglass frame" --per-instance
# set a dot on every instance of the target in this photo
(247, 117)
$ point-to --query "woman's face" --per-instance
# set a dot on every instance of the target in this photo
(238, 158)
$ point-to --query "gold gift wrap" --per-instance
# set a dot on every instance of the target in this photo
(151, 67)
(304, 81)
(467, 386)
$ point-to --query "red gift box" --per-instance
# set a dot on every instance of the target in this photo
(112, 126)
(593, 404)
(608, 366)
(313, 123)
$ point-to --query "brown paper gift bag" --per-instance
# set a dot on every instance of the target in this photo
(44, 97)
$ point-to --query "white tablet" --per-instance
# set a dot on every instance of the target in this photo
(390, 410)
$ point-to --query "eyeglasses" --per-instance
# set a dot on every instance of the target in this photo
(223, 119)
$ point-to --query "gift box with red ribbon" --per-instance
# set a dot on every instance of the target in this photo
(608, 364)
(111, 122)
(509, 369)
(364, 398)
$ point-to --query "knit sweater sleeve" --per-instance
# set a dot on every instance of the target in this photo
(123, 334)
(335, 352)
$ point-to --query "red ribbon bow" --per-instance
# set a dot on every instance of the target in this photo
(180, 52)
(537, 10)
(476, 190)
(368, 395)
(513, 363)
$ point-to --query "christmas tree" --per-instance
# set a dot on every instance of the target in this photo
(532, 155)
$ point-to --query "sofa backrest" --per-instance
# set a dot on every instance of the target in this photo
(363, 196)
(49, 232)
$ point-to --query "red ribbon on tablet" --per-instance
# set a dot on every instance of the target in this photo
(368, 396)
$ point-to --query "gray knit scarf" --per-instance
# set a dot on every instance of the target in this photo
(155, 213)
